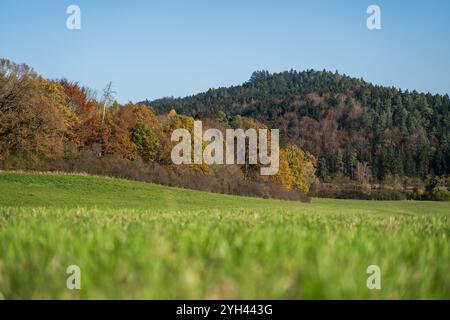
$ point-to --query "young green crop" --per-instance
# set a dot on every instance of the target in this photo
(136, 240)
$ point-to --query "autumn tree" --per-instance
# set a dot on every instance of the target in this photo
(303, 167)
(30, 123)
(55, 94)
(284, 177)
(82, 102)
(146, 141)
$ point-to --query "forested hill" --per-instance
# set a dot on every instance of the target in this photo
(351, 125)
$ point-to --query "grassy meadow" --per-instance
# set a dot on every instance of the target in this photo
(137, 240)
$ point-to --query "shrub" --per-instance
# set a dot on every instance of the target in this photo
(357, 191)
(440, 194)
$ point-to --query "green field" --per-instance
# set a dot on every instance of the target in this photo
(137, 240)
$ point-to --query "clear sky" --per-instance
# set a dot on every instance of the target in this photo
(150, 49)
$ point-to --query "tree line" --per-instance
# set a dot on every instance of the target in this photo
(61, 125)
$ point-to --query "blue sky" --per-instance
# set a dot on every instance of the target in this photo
(150, 49)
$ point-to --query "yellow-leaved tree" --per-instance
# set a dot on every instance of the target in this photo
(175, 121)
(284, 176)
(302, 165)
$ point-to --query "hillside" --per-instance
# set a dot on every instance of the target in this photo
(354, 128)
(134, 240)
(84, 191)
(61, 190)
(362, 141)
